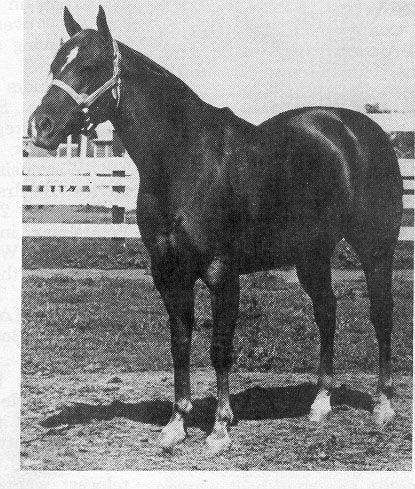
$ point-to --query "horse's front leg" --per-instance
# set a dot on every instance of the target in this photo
(178, 297)
(225, 303)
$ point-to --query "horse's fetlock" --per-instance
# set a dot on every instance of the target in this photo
(225, 414)
(182, 406)
(386, 389)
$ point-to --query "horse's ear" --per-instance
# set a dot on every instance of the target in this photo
(102, 24)
(72, 27)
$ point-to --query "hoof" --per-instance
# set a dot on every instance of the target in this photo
(383, 415)
(320, 409)
(318, 416)
(383, 412)
(217, 445)
(170, 436)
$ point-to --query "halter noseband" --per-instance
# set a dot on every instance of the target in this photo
(85, 101)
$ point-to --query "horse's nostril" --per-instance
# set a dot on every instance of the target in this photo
(45, 124)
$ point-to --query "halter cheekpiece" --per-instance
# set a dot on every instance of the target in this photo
(85, 101)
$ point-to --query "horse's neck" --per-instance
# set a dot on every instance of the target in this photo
(153, 124)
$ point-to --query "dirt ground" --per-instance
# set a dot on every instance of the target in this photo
(97, 383)
(106, 422)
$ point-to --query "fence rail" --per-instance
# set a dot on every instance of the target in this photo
(81, 165)
(104, 190)
(114, 181)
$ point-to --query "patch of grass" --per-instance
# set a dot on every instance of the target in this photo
(72, 214)
(104, 324)
(344, 257)
(103, 253)
(106, 253)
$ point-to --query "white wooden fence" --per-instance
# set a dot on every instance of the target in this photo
(80, 181)
(114, 181)
(109, 182)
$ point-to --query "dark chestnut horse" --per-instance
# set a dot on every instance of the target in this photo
(220, 197)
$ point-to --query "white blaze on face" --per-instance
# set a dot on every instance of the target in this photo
(71, 56)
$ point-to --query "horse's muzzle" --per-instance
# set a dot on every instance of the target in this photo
(41, 130)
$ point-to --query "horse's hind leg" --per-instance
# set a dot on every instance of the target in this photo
(377, 260)
(314, 273)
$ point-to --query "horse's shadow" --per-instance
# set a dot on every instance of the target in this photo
(251, 404)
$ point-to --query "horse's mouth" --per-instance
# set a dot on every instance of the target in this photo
(52, 140)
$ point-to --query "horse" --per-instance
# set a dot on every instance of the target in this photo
(220, 197)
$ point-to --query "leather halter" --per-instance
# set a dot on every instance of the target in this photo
(85, 101)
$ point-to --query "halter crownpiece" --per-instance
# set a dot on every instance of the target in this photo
(85, 101)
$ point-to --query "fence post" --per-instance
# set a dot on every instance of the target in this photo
(118, 213)
(69, 146)
(82, 146)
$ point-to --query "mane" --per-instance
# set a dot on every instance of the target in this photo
(140, 62)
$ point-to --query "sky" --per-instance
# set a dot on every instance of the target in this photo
(256, 57)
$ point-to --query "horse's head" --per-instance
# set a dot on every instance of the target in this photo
(84, 87)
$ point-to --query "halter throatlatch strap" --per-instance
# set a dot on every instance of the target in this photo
(84, 100)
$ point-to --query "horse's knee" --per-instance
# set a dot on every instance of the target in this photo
(217, 275)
